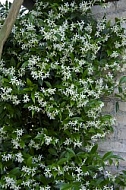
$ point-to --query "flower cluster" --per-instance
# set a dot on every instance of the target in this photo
(56, 66)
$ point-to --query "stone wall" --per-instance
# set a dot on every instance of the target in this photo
(116, 141)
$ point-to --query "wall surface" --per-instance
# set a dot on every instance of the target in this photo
(116, 141)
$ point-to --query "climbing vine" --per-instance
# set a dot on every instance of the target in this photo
(57, 65)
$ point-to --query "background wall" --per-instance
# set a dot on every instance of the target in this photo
(116, 141)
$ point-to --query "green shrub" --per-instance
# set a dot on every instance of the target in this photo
(56, 67)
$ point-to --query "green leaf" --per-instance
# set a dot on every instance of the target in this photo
(29, 161)
(94, 149)
(12, 62)
(33, 112)
(109, 52)
(99, 181)
(26, 137)
(62, 161)
(72, 56)
(1, 166)
(66, 187)
(120, 89)
(54, 173)
(69, 153)
(33, 97)
(28, 89)
(25, 64)
(22, 143)
(52, 151)
(84, 169)
(27, 105)
(72, 186)
(40, 136)
(107, 156)
(48, 84)
(40, 82)
(5, 80)
(122, 80)
(82, 154)
(72, 153)
(29, 82)
(77, 118)
(110, 155)
(58, 36)
(69, 176)
(15, 171)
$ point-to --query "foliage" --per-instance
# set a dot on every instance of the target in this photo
(56, 67)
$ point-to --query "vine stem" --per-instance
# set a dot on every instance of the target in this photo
(9, 23)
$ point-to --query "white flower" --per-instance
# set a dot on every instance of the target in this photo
(88, 28)
(108, 174)
(110, 75)
(45, 188)
(90, 70)
(34, 108)
(77, 143)
(114, 54)
(2, 131)
(101, 25)
(19, 132)
(29, 170)
(11, 183)
(34, 145)
(78, 170)
(47, 139)
(83, 187)
(19, 157)
(84, 6)
(7, 157)
(15, 143)
(28, 183)
(26, 98)
(47, 172)
(15, 100)
(14, 80)
(67, 141)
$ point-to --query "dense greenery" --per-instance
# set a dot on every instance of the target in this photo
(56, 67)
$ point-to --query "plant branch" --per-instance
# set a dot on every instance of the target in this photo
(9, 23)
